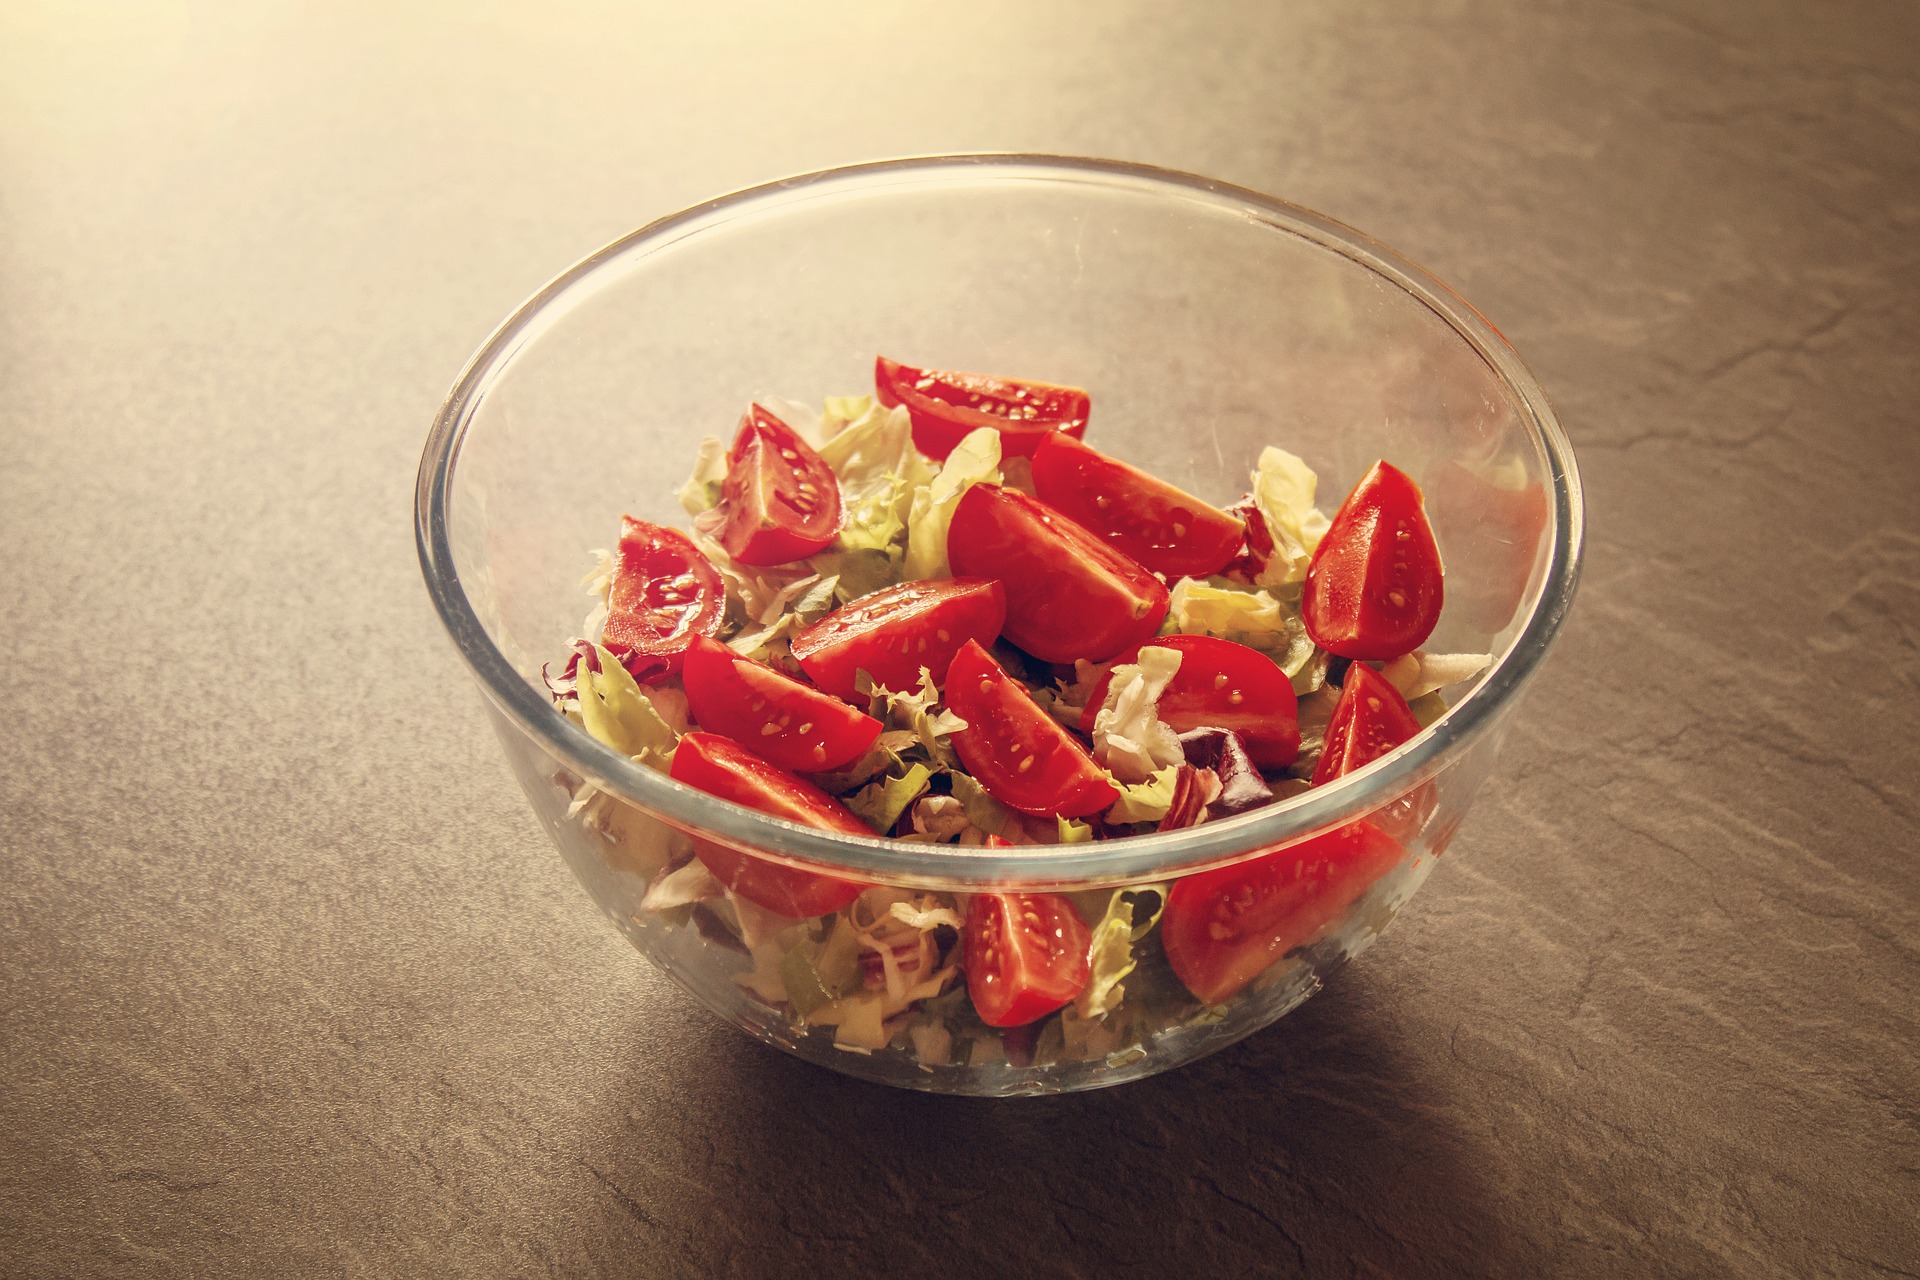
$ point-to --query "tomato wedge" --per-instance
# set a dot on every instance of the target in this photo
(664, 593)
(1374, 587)
(1025, 956)
(1370, 720)
(1223, 685)
(780, 501)
(722, 767)
(776, 717)
(1224, 928)
(1018, 752)
(948, 407)
(1141, 516)
(1069, 595)
(891, 634)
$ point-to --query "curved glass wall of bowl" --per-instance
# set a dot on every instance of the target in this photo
(1208, 322)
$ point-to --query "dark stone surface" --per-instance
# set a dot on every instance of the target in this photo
(292, 983)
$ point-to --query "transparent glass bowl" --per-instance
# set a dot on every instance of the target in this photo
(1206, 320)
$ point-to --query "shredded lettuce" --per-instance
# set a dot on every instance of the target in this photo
(1072, 832)
(1146, 801)
(1419, 673)
(842, 412)
(1111, 949)
(914, 712)
(701, 492)
(682, 887)
(1427, 708)
(1283, 490)
(925, 913)
(981, 809)
(613, 709)
(1253, 618)
(1128, 737)
(881, 803)
(879, 471)
(975, 460)
(806, 601)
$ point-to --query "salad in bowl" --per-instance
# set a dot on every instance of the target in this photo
(932, 733)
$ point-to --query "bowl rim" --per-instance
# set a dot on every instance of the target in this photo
(1137, 859)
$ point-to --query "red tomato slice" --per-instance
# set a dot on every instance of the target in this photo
(948, 407)
(1141, 516)
(1018, 752)
(780, 501)
(1224, 928)
(721, 767)
(664, 593)
(1223, 685)
(891, 634)
(1069, 595)
(1370, 720)
(1374, 588)
(1493, 533)
(1025, 956)
(774, 716)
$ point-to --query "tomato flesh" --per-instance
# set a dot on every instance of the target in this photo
(1370, 720)
(1069, 595)
(776, 717)
(780, 501)
(1222, 929)
(947, 407)
(664, 593)
(893, 633)
(1141, 516)
(1374, 587)
(722, 767)
(1018, 752)
(1222, 685)
(1025, 956)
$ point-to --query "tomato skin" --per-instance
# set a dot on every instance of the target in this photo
(780, 501)
(1224, 928)
(664, 593)
(1222, 685)
(947, 407)
(1069, 595)
(1015, 750)
(893, 633)
(1141, 516)
(1025, 956)
(722, 767)
(1370, 720)
(1374, 587)
(775, 716)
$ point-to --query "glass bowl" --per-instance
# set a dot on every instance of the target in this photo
(1207, 321)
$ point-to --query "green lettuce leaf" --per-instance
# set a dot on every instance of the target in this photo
(815, 599)
(879, 471)
(1072, 832)
(982, 810)
(975, 460)
(1283, 490)
(614, 710)
(881, 803)
(915, 713)
(1146, 801)
(1130, 916)
(701, 492)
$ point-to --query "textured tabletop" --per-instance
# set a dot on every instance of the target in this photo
(292, 983)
